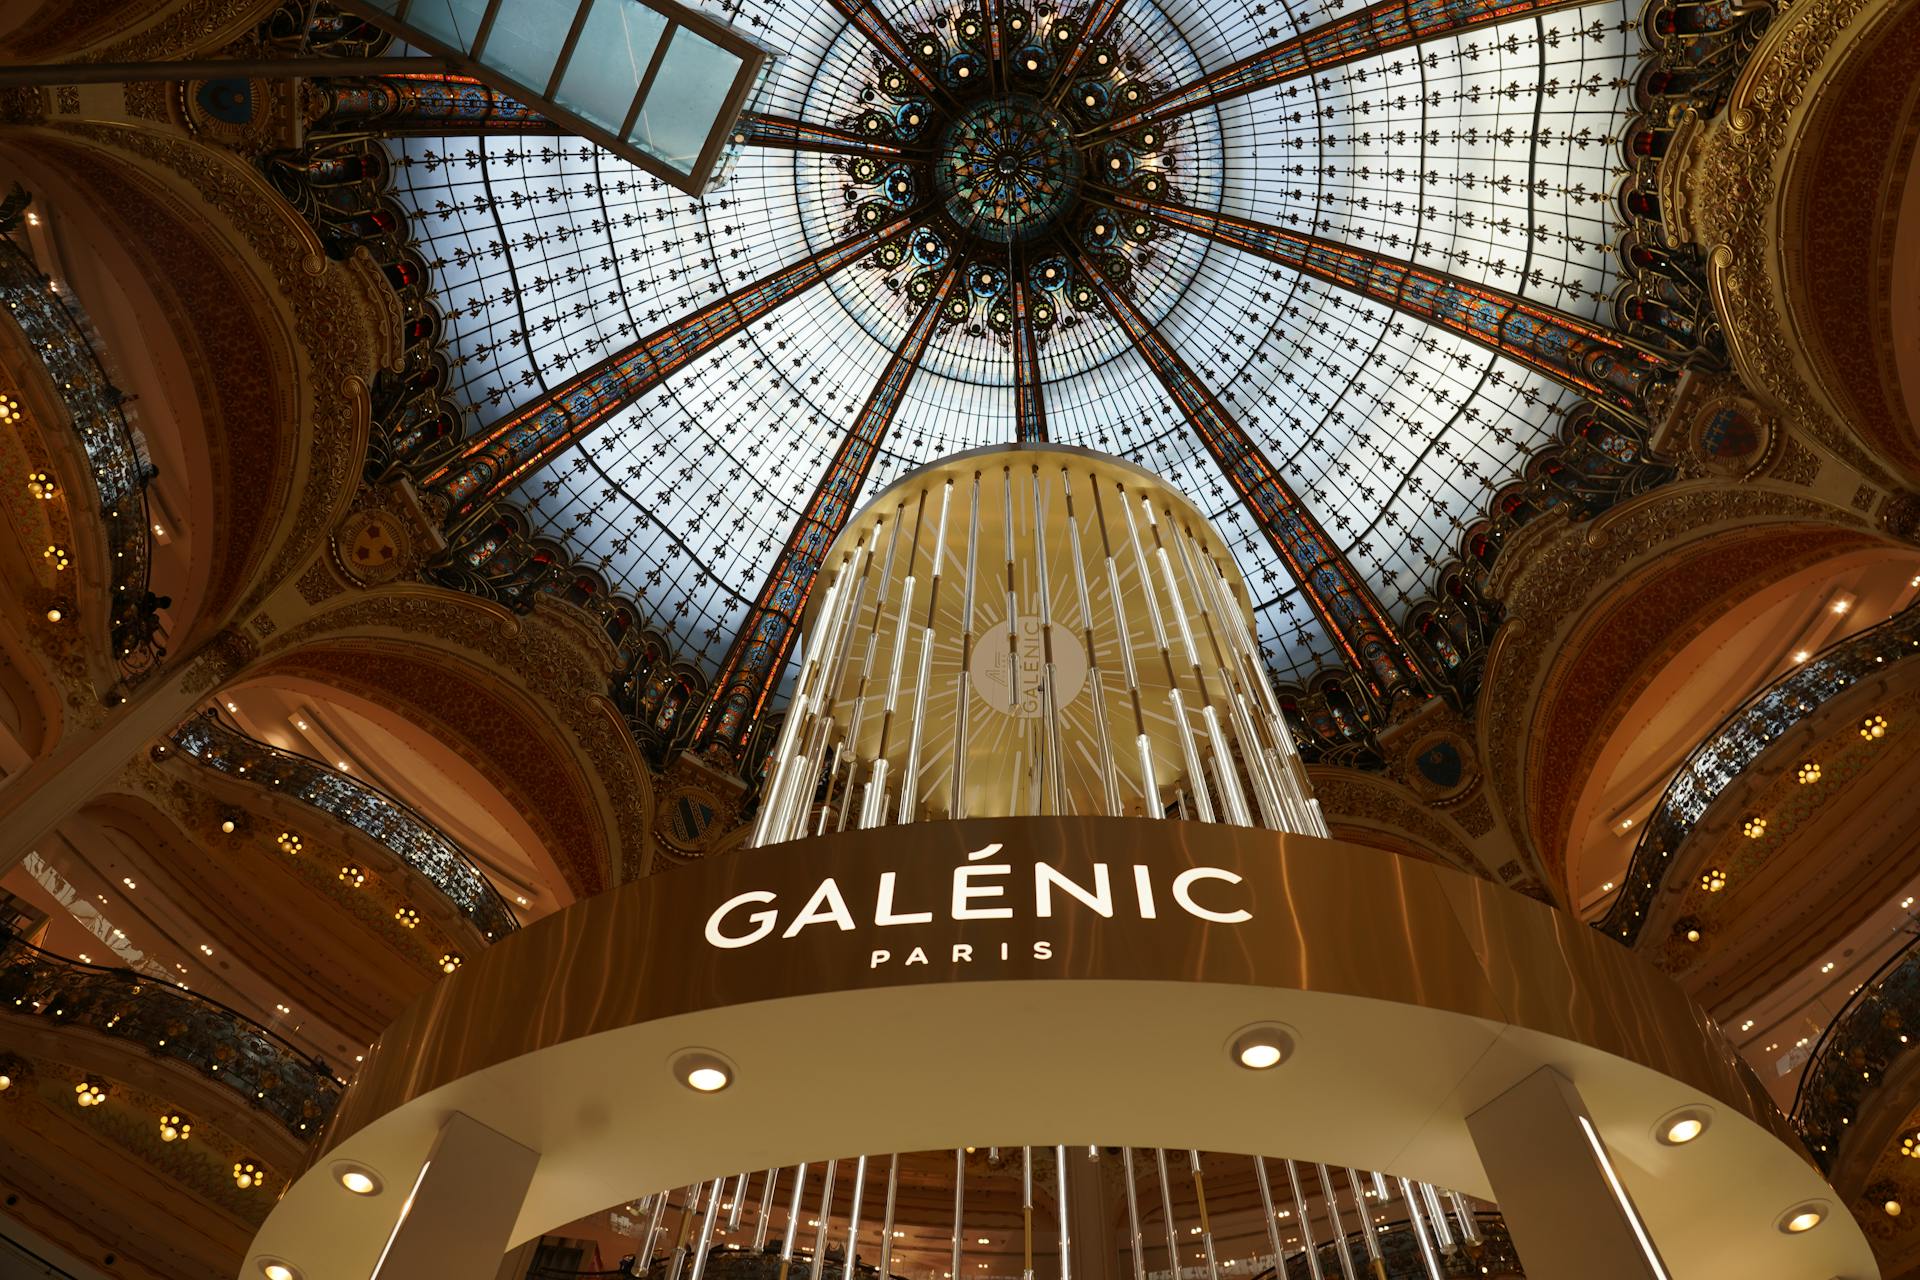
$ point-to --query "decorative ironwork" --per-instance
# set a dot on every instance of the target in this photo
(753, 665)
(432, 103)
(1588, 358)
(167, 1021)
(413, 840)
(492, 464)
(1340, 599)
(117, 461)
(1856, 1051)
(1390, 24)
(1736, 743)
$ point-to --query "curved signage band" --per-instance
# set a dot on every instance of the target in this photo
(1032, 981)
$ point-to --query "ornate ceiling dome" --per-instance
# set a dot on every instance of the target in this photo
(1108, 210)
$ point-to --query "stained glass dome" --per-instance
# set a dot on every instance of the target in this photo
(1486, 153)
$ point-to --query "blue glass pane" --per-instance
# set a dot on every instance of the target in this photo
(608, 63)
(451, 21)
(526, 40)
(685, 99)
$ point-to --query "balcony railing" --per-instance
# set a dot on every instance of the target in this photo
(1738, 741)
(265, 1072)
(119, 467)
(416, 842)
(1855, 1053)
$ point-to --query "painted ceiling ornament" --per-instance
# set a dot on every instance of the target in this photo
(1014, 170)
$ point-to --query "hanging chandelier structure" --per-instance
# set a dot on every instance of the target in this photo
(1024, 631)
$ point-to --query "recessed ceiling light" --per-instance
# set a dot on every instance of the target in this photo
(1259, 1048)
(1803, 1218)
(275, 1270)
(357, 1178)
(1678, 1128)
(702, 1070)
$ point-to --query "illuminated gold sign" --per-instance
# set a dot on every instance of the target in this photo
(993, 883)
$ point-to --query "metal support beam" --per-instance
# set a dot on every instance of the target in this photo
(885, 37)
(505, 453)
(1346, 608)
(1029, 398)
(1588, 358)
(752, 668)
(54, 73)
(1390, 24)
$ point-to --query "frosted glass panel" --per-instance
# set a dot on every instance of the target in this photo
(685, 98)
(526, 40)
(608, 63)
(452, 21)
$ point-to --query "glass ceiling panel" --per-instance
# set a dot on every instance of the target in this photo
(1487, 155)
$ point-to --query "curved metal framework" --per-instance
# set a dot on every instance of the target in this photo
(116, 462)
(1853, 1055)
(416, 842)
(264, 1072)
(1736, 743)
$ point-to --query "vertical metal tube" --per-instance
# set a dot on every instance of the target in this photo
(1369, 1235)
(760, 1223)
(963, 683)
(1166, 1213)
(1109, 774)
(1381, 1192)
(1055, 773)
(1026, 1212)
(959, 1205)
(1231, 797)
(1437, 1216)
(826, 1219)
(1419, 1229)
(790, 727)
(910, 778)
(886, 1222)
(1149, 785)
(1190, 752)
(1469, 1225)
(1341, 1251)
(1133, 1215)
(688, 1207)
(1273, 1220)
(706, 1230)
(653, 1232)
(738, 1202)
(1206, 1226)
(1060, 1194)
(793, 1219)
(853, 1219)
(1305, 1216)
(858, 714)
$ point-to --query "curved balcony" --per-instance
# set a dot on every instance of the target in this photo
(1856, 1052)
(1735, 744)
(116, 462)
(417, 843)
(169, 1022)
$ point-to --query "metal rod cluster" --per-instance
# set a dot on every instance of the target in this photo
(1108, 667)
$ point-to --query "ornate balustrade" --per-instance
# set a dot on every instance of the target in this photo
(1855, 1052)
(166, 1021)
(120, 470)
(416, 842)
(1736, 743)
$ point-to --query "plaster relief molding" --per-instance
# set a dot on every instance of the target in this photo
(1727, 178)
(346, 323)
(554, 654)
(1596, 557)
(1357, 804)
(114, 31)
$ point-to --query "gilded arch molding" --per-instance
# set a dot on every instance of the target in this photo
(1651, 573)
(287, 342)
(521, 696)
(1737, 187)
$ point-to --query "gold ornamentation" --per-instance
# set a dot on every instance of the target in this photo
(1797, 464)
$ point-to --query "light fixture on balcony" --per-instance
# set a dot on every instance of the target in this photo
(248, 1174)
(1873, 727)
(42, 486)
(56, 556)
(351, 876)
(289, 842)
(55, 613)
(450, 961)
(1910, 1146)
(1754, 828)
(1714, 880)
(407, 917)
(9, 410)
(175, 1128)
(1809, 773)
(90, 1093)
